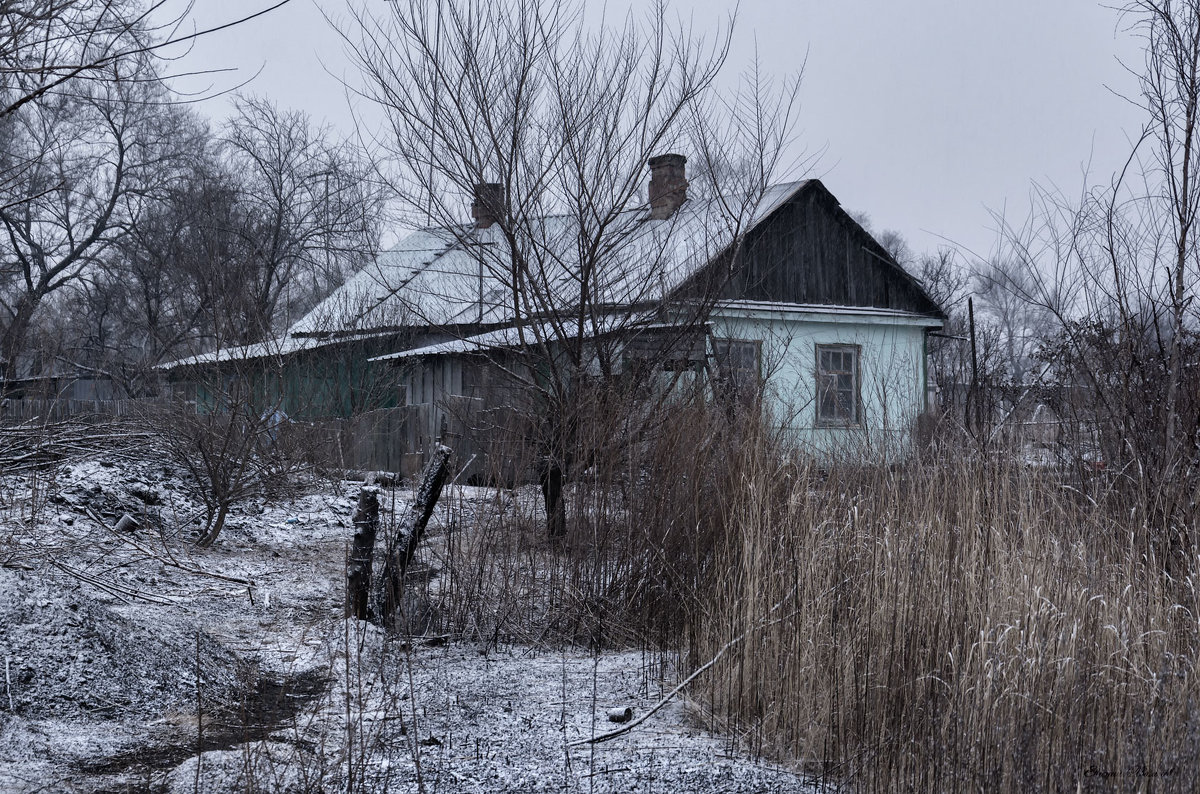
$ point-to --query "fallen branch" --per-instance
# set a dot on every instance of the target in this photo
(112, 588)
(629, 726)
(35, 445)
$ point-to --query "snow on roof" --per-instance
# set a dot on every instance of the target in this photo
(460, 275)
(909, 317)
(511, 336)
(282, 346)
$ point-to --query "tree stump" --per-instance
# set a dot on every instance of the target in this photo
(402, 546)
(358, 566)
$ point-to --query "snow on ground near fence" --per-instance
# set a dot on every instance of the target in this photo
(107, 639)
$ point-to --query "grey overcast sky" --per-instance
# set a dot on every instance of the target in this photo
(932, 115)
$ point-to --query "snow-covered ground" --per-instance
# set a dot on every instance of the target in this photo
(133, 662)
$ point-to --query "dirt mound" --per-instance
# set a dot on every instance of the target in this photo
(100, 489)
(66, 655)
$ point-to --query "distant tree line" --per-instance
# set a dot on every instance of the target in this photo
(134, 232)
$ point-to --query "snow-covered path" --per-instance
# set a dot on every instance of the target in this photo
(100, 676)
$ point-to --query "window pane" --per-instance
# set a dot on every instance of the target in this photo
(837, 385)
(738, 372)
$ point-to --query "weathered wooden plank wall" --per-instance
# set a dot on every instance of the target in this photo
(811, 252)
(398, 439)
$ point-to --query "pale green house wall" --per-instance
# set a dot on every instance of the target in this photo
(892, 369)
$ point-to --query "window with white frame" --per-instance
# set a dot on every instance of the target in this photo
(838, 398)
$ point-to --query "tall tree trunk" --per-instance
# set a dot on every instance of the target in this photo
(12, 342)
(552, 479)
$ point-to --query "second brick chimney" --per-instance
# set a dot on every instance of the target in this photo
(488, 206)
(668, 184)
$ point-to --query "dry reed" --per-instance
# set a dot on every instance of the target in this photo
(965, 622)
(965, 625)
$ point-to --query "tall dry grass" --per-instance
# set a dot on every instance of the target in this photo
(962, 622)
(968, 624)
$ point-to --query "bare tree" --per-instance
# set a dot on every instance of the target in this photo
(79, 171)
(45, 45)
(943, 278)
(309, 211)
(949, 359)
(1117, 268)
(52, 46)
(1004, 292)
(1170, 87)
(149, 299)
(236, 242)
(85, 139)
(553, 119)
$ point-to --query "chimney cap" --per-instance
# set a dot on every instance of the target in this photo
(667, 160)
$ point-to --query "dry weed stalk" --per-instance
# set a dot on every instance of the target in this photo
(955, 625)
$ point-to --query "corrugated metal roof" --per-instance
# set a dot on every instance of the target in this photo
(449, 276)
(461, 275)
(511, 336)
(282, 346)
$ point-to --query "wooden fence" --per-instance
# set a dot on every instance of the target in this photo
(393, 439)
(399, 440)
(384, 440)
(25, 410)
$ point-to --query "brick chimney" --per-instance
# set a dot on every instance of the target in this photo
(488, 206)
(668, 184)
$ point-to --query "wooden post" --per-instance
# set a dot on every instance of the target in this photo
(358, 566)
(402, 546)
